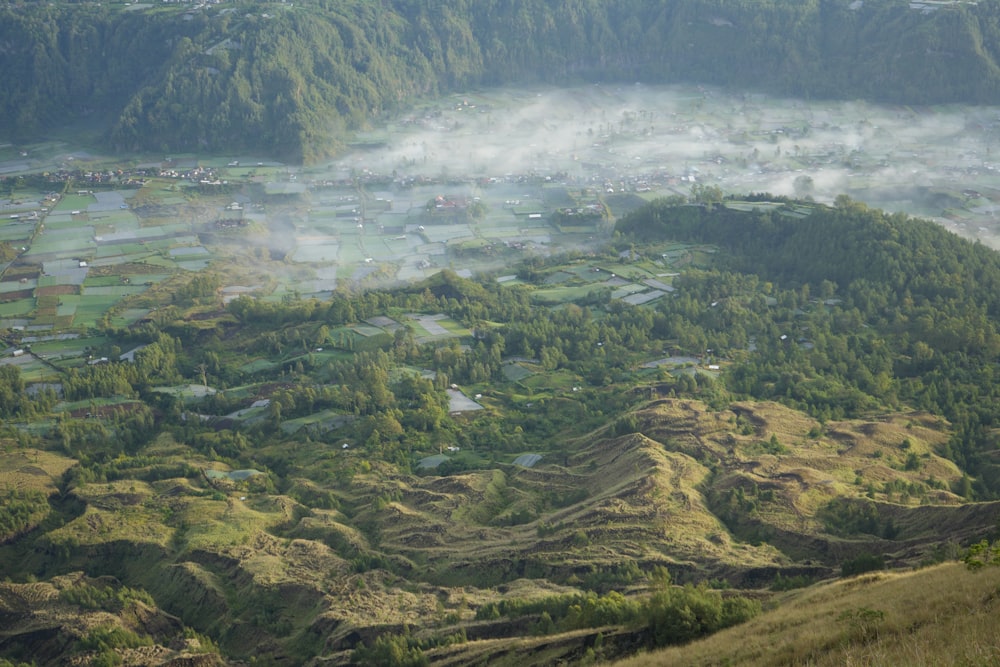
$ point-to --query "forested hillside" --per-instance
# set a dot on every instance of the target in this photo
(292, 79)
(917, 313)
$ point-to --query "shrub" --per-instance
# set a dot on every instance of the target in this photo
(389, 651)
(782, 583)
(861, 564)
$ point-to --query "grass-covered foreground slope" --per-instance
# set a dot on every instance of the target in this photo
(945, 615)
(536, 469)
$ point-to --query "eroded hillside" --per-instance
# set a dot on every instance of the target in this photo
(736, 495)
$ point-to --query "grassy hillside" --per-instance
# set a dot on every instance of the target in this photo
(944, 615)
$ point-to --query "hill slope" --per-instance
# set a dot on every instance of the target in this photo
(945, 615)
(290, 80)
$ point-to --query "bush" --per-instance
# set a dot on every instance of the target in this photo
(389, 651)
(106, 638)
(105, 598)
(861, 564)
(782, 583)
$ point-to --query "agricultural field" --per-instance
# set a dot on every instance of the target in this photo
(470, 183)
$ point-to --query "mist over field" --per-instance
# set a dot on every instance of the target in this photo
(935, 162)
(369, 218)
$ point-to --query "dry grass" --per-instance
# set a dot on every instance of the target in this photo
(32, 469)
(945, 615)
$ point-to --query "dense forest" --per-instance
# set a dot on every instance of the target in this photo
(292, 80)
(911, 313)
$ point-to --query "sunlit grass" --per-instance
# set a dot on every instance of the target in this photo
(945, 615)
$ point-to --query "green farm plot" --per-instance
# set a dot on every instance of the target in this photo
(504, 231)
(73, 406)
(121, 227)
(325, 420)
(147, 278)
(177, 251)
(702, 257)
(8, 286)
(536, 232)
(249, 415)
(187, 392)
(453, 328)
(330, 354)
(284, 188)
(137, 258)
(560, 381)
(528, 208)
(193, 264)
(179, 232)
(560, 295)
(115, 291)
(354, 257)
(558, 197)
(67, 307)
(558, 278)
(446, 233)
(56, 222)
(158, 261)
(16, 231)
(752, 205)
(259, 366)
(432, 461)
(412, 273)
(18, 308)
(624, 203)
(243, 392)
(60, 244)
(517, 371)
(397, 248)
(628, 272)
(87, 309)
(121, 250)
(62, 349)
(32, 369)
(129, 316)
(366, 330)
(436, 327)
(70, 203)
(49, 281)
(577, 229)
(170, 200)
(627, 290)
(311, 251)
(101, 281)
(587, 273)
(117, 218)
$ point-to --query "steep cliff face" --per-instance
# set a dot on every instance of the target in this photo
(292, 80)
